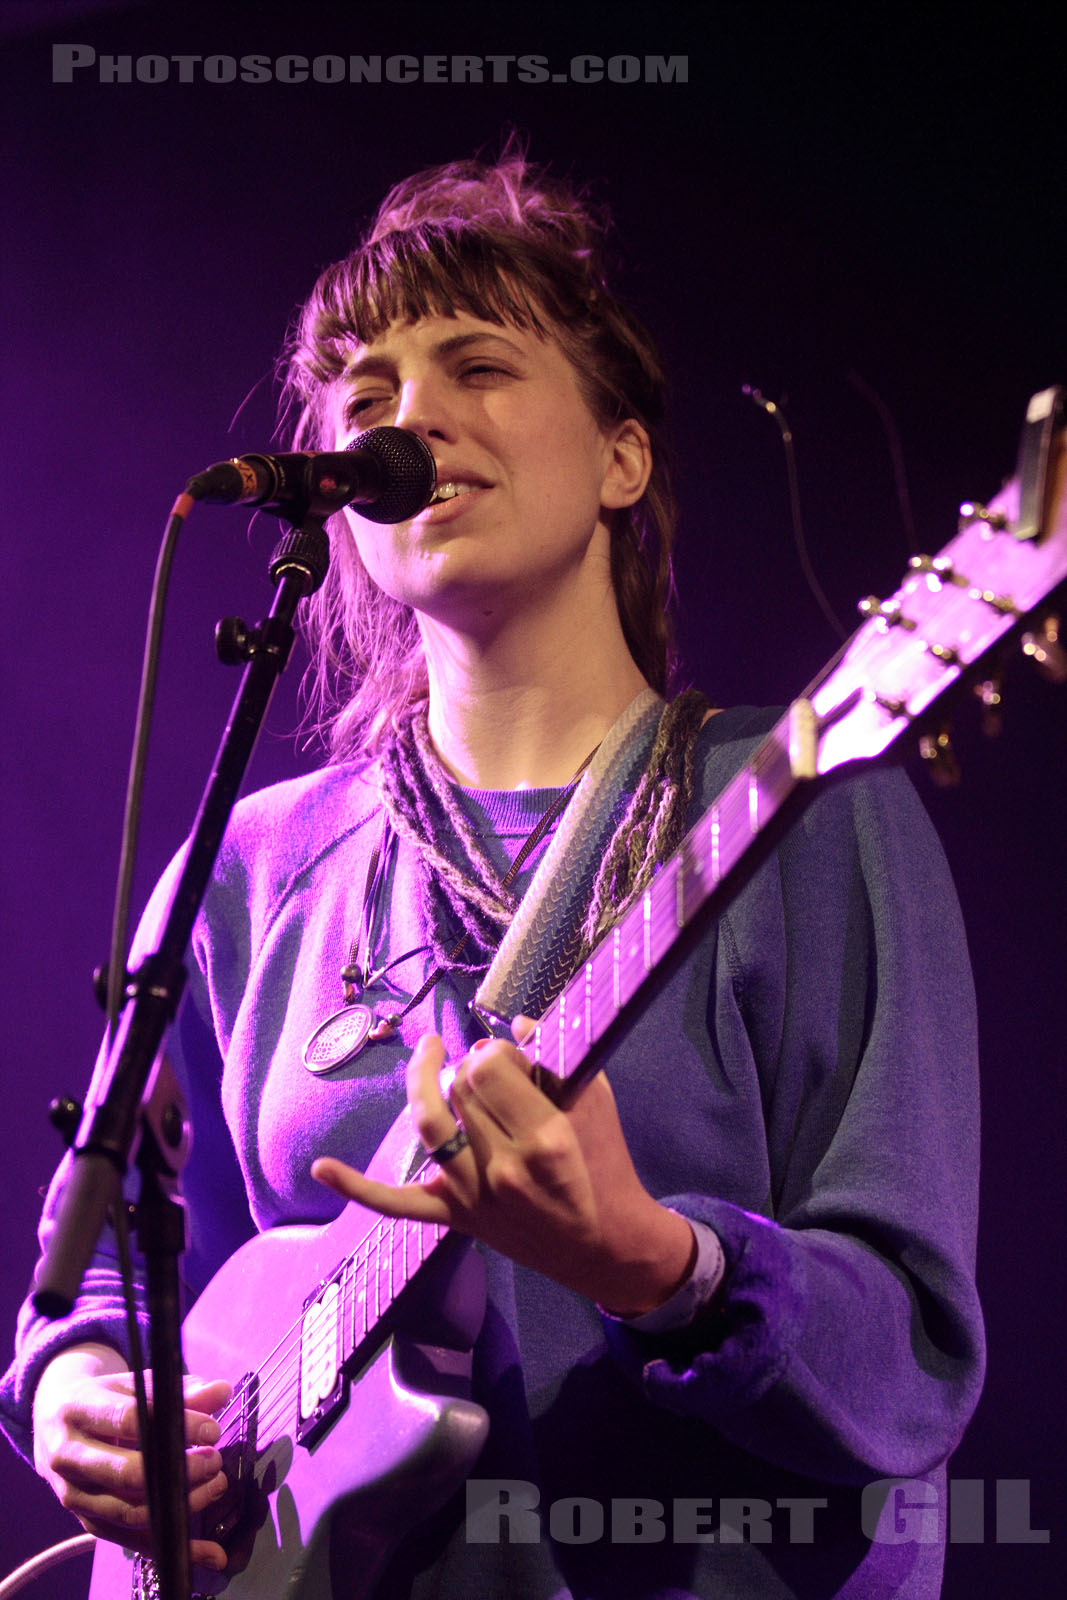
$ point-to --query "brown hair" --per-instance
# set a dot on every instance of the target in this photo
(508, 244)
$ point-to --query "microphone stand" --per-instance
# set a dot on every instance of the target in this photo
(128, 1098)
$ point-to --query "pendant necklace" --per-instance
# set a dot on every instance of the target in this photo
(341, 1037)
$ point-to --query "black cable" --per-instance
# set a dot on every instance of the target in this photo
(131, 821)
(116, 973)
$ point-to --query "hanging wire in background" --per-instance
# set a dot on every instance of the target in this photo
(896, 455)
(799, 539)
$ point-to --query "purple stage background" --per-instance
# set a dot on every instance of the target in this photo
(835, 195)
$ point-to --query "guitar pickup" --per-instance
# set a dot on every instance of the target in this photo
(322, 1379)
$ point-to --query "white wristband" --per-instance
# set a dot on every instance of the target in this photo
(693, 1295)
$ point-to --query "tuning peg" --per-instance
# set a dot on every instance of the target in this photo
(938, 570)
(936, 750)
(992, 704)
(887, 612)
(974, 511)
(1044, 647)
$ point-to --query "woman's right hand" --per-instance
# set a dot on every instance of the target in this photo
(87, 1446)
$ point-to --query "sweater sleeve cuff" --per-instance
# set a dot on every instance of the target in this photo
(740, 1342)
(100, 1320)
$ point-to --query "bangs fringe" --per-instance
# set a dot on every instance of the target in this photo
(437, 269)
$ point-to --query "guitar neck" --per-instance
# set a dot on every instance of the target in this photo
(705, 871)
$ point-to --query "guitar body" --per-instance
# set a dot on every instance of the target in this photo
(318, 1502)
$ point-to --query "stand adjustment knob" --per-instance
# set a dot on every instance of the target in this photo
(235, 641)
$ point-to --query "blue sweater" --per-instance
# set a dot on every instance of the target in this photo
(806, 1084)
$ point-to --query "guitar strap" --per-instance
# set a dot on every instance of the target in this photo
(536, 956)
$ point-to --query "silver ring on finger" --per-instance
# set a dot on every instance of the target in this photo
(451, 1147)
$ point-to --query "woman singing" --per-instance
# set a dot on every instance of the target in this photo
(730, 1285)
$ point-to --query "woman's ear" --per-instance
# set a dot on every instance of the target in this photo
(629, 466)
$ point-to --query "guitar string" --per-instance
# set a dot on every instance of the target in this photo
(356, 1272)
(290, 1342)
(734, 814)
(378, 1238)
(277, 1389)
(283, 1406)
(283, 1350)
(353, 1272)
(767, 756)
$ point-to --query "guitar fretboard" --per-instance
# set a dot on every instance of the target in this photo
(564, 1040)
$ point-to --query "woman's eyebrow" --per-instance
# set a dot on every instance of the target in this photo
(460, 341)
(383, 365)
(370, 366)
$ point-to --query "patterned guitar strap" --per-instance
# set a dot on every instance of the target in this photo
(538, 953)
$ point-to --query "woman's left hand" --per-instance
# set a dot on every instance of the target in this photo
(554, 1190)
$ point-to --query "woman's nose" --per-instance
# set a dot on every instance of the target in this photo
(424, 409)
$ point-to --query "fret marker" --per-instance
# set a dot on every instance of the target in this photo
(715, 873)
(376, 1246)
(753, 803)
(589, 1002)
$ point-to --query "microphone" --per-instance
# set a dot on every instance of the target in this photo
(389, 473)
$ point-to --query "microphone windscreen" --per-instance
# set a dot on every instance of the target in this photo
(409, 473)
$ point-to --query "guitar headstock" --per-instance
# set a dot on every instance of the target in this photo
(954, 614)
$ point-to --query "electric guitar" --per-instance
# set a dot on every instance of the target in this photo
(349, 1346)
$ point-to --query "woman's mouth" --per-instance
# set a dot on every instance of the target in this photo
(449, 491)
(452, 497)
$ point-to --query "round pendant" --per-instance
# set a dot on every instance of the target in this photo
(337, 1040)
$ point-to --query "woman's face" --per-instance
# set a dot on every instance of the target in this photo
(526, 476)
